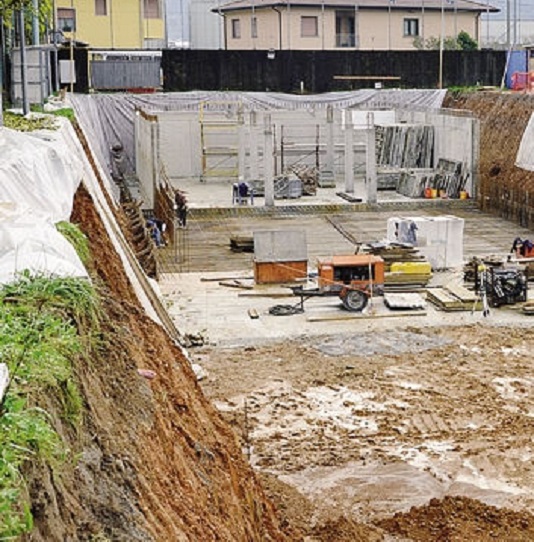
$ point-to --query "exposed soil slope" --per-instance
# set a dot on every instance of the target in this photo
(156, 459)
(504, 188)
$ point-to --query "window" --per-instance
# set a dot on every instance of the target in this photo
(309, 27)
(101, 7)
(411, 27)
(151, 8)
(66, 19)
(254, 27)
(236, 28)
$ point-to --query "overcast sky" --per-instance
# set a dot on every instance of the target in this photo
(525, 8)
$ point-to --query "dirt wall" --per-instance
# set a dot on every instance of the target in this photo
(505, 190)
(153, 459)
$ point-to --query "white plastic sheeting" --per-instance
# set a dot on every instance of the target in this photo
(440, 239)
(525, 154)
(38, 180)
(108, 119)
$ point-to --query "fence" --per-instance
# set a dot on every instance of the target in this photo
(320, 71)
(126, 74)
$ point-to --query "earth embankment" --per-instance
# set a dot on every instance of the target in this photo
(504, 188)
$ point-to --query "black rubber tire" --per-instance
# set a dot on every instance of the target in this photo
(355, 300)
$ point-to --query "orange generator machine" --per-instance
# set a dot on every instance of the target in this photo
(353, 278)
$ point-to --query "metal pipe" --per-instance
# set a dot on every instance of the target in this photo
(279, 27)
(423, 22)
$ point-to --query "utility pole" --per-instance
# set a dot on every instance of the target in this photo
(515, 23)
(508, 35)
(35, 22)
(441, 44)
(389, 25)
(23, 78)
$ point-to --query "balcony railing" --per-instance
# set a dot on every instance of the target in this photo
(345, 40)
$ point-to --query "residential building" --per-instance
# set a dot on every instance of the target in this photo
(113, 24)
(347, 24)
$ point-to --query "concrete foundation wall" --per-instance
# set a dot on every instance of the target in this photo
(226, 144)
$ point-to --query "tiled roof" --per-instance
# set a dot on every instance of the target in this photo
(448, 5)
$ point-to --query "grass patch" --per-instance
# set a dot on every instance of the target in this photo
(66, 112)
(23, 124)
(44, 323)
(77, 239)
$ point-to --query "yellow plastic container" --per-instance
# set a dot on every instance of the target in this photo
(463, 194)
(411, 268)
(433, 193)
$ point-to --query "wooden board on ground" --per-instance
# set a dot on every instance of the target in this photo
(363, 316)
(462, 293)
(266, 294)
(235, 284)
(445, 298)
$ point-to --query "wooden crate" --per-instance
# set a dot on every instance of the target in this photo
(278, 272)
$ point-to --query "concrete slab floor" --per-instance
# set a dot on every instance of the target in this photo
(216, 193)
(198, 303)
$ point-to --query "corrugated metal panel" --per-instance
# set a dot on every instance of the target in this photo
(125, 74)
(38, 72)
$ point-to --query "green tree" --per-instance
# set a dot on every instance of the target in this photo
(466, 42)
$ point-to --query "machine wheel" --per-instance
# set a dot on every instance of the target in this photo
(355, 300)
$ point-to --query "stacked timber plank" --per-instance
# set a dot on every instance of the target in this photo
(528, 308)
(454, 298)
(405, 268)
(242, 243)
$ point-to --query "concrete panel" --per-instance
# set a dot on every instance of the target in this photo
(146, 155)
(280, 246)
(180, 147)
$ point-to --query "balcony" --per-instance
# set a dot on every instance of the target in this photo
(345, 40)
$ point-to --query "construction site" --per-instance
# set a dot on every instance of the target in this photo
(325, 337)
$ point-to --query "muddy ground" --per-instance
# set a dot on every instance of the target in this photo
(357, 429)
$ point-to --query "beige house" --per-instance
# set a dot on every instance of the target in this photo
(346, 24)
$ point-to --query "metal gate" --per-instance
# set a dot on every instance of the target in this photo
(126, 74)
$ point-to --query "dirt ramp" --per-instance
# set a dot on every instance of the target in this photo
(457, 519)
